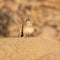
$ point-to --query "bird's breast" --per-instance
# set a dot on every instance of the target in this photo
(29, 30)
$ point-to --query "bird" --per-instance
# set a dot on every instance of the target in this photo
(28, 28)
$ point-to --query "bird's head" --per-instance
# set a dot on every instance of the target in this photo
(28, 22)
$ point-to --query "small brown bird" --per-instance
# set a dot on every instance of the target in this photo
(28, 28)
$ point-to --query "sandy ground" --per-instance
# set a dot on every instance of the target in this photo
(29, 49)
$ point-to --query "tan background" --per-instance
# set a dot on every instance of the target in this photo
(42, 47)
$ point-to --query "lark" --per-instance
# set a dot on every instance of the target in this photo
(28, 29)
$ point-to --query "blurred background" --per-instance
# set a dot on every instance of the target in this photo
(44, 13)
